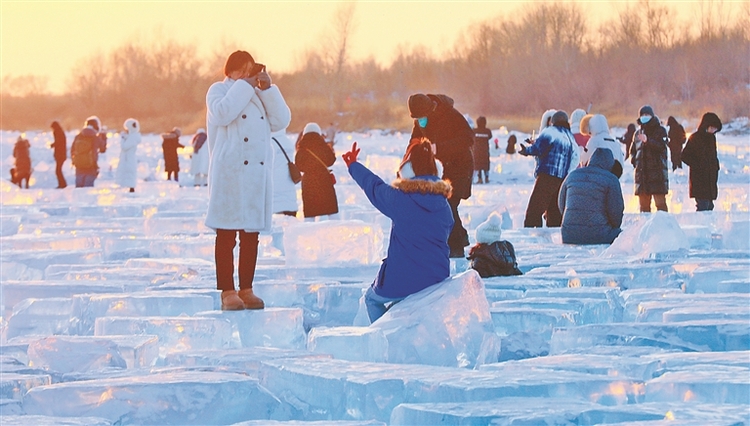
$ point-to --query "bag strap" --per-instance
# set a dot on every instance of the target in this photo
(318, 158)
(282, 150)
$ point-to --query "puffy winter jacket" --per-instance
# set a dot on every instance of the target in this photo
(700, 155)
(591, 202)
(421, 222)
(650, 159)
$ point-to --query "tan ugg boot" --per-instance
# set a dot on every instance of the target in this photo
(251, 300)
(230, 301)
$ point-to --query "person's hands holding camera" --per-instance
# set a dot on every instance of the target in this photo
(263, 80)
(351, 156)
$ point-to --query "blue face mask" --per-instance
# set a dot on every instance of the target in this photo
(645, 119)
(422, 121)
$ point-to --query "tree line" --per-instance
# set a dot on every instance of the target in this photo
(549, 56)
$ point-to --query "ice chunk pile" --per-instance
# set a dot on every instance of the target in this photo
(447, 324)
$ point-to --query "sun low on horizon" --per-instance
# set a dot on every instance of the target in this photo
(48, 38)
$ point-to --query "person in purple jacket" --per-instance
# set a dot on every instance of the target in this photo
(422, 220)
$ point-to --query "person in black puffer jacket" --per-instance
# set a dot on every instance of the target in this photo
(700, 155)
(438, 121)
(649, 157)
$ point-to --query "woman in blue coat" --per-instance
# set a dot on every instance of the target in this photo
(591, 202)
(417, 204)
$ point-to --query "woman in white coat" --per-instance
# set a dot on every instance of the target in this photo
(127, 169)
(243, 110)
(598, 129)
(284, 189)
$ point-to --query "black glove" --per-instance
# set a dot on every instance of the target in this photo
(523, 149)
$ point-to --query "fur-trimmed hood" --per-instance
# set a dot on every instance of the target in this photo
(424, 185)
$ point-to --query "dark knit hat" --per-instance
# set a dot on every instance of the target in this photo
(420, 105)
(646, 110)
(560, 118)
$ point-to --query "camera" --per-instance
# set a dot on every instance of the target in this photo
(257, 69)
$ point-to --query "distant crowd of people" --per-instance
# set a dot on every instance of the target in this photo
(251, 168)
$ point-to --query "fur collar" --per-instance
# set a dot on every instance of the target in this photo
(423, 186)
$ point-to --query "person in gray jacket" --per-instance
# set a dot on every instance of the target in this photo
(591, 202)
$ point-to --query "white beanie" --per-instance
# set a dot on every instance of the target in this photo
(312, 128)
(489, 231)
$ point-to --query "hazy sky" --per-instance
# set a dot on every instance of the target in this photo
(47, 38)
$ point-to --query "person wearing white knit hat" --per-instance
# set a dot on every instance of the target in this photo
(491, 256)
(489, 231)
(313, 158)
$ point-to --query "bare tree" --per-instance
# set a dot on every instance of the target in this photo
(24, 85)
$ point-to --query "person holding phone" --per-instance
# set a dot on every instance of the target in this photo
(243, 110)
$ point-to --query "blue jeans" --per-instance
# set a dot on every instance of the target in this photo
(703, 205)
(85, 179)
(376, 304)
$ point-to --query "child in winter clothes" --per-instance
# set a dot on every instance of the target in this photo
(490, 256)
(23, 170)
(417, 204)
(700, 155)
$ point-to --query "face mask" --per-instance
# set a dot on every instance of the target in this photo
(645, 119)
(422, 121)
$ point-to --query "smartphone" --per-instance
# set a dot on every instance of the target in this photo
(257, 68)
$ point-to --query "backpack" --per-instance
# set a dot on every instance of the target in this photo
(493, 260)
(83, 152)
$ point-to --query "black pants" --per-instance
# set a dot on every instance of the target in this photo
(61, 183)
(458, 238)
(226, 240)
(543, 201)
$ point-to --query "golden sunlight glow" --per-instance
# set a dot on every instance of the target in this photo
(120, 305)
(106, 396)
(380, 31)
(180, 328)
(689, 396)
(669, 416)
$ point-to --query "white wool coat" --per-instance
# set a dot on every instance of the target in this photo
(127, 169)
(600, 138)
(284, 190)
(239, 122)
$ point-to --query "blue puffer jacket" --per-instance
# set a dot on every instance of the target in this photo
(553, 149)
(421, 222)
(591, 202)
